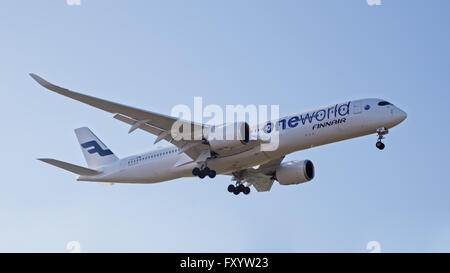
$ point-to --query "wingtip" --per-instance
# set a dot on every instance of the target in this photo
(34, 76)
(40, 80)
(45, 160)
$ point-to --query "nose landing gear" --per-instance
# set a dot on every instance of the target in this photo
(203, 172)
(381, 133)
(380, 145)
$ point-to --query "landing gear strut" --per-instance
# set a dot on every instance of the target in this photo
(203, 172)
(381, 132)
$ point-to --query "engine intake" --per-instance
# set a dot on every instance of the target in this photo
(295, 172)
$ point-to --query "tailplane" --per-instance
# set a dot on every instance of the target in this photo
(95, 152)
(70, 167)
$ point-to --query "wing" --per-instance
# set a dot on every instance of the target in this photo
(154, 123)
(260, 181)
(261, 178)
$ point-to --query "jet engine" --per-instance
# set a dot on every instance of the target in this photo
(228, 136)
(294, 172)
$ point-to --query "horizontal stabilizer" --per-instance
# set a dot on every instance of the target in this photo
(70, 167)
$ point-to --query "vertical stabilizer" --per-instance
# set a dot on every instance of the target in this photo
(95, 152)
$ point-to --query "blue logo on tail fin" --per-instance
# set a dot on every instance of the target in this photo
(96, 148)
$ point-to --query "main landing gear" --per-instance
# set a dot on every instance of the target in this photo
(381, 132)
(238, 189)
(239, 186)
(203, 172)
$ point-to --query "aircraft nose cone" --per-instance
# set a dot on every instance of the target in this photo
(400, 115)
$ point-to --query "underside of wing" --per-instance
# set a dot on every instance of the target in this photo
(261, 178)
(260, 181)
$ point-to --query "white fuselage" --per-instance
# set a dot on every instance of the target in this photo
(297, 132)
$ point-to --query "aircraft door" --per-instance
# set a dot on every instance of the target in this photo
(357, 108)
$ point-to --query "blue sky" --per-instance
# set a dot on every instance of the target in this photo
(156, 54)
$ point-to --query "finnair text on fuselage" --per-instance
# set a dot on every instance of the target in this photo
(339, 110)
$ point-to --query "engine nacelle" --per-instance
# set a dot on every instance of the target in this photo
(295, 172)
(228, 136)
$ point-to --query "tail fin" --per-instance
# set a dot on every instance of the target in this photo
(95, 152)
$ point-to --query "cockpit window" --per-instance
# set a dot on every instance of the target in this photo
(384, 103)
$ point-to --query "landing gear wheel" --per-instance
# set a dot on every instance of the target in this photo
(380, 145)
(212, 174)
(202, 174)
(231, 188)
(236, 191)
(196, 171)
(246, 190)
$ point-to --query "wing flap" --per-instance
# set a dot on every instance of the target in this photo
(151, 129)
(261, 182)
(261, 178)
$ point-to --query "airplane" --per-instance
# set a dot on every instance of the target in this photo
(242, 159)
